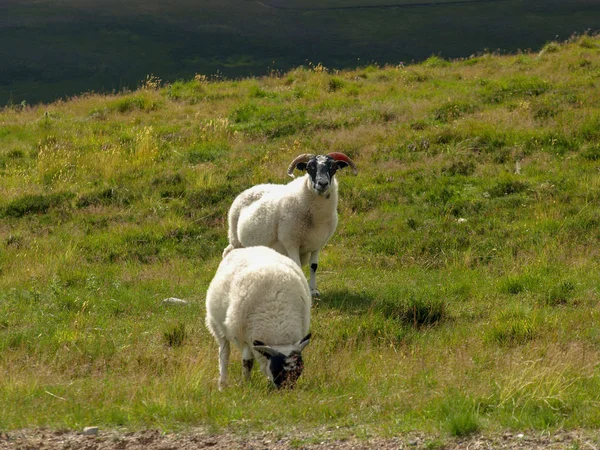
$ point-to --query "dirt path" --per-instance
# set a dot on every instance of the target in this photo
(200, 439)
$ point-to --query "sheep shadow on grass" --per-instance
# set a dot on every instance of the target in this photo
(346, 300)
(404, 308)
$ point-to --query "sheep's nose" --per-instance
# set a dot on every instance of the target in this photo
(323, 184)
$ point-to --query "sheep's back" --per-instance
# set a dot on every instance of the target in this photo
(269, 298)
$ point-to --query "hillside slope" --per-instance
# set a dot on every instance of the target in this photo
(459, 294)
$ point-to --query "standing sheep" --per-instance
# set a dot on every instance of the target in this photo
(260, 301)
(296, 219)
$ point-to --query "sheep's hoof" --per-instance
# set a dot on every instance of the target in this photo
(222, 385)
(315, 293)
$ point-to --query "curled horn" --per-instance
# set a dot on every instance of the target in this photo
(299, 159)
(341, 157)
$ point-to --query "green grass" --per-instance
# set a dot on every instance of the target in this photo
(459, 293)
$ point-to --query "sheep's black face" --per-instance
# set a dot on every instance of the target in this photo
(283, 369)
(286, 369)
(321, 170)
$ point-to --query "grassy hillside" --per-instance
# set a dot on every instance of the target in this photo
(55, 48)
(459, 294)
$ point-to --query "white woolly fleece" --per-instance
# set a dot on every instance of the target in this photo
(290, 218)
(258, 294)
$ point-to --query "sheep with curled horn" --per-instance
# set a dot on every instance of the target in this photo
(296, 219)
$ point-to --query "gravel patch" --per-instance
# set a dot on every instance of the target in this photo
(201, 439)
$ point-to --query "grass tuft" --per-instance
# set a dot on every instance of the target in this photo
(175, 335)
(508, 186)
(460, 416)
(130, 103)
(414, 308)
(514, 326)
(35, 204)
(560, 294)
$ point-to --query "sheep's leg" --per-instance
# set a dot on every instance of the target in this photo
(223, 362)
(314, 264)
(294, 253)
(247, 362)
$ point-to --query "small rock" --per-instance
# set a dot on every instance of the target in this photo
(461, 220)
(520, 435)
(174, 301)
(90, 431)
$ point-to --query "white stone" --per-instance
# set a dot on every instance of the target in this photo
(90, 431)
(174, 301)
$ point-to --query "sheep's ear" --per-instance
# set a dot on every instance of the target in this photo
(303, 342)
(264, 350)
(299, 163)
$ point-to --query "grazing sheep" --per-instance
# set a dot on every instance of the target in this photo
(296, 219)
(260, 301)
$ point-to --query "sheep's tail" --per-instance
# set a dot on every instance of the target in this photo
(233, 217)
(227, 250)
(234, 242)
